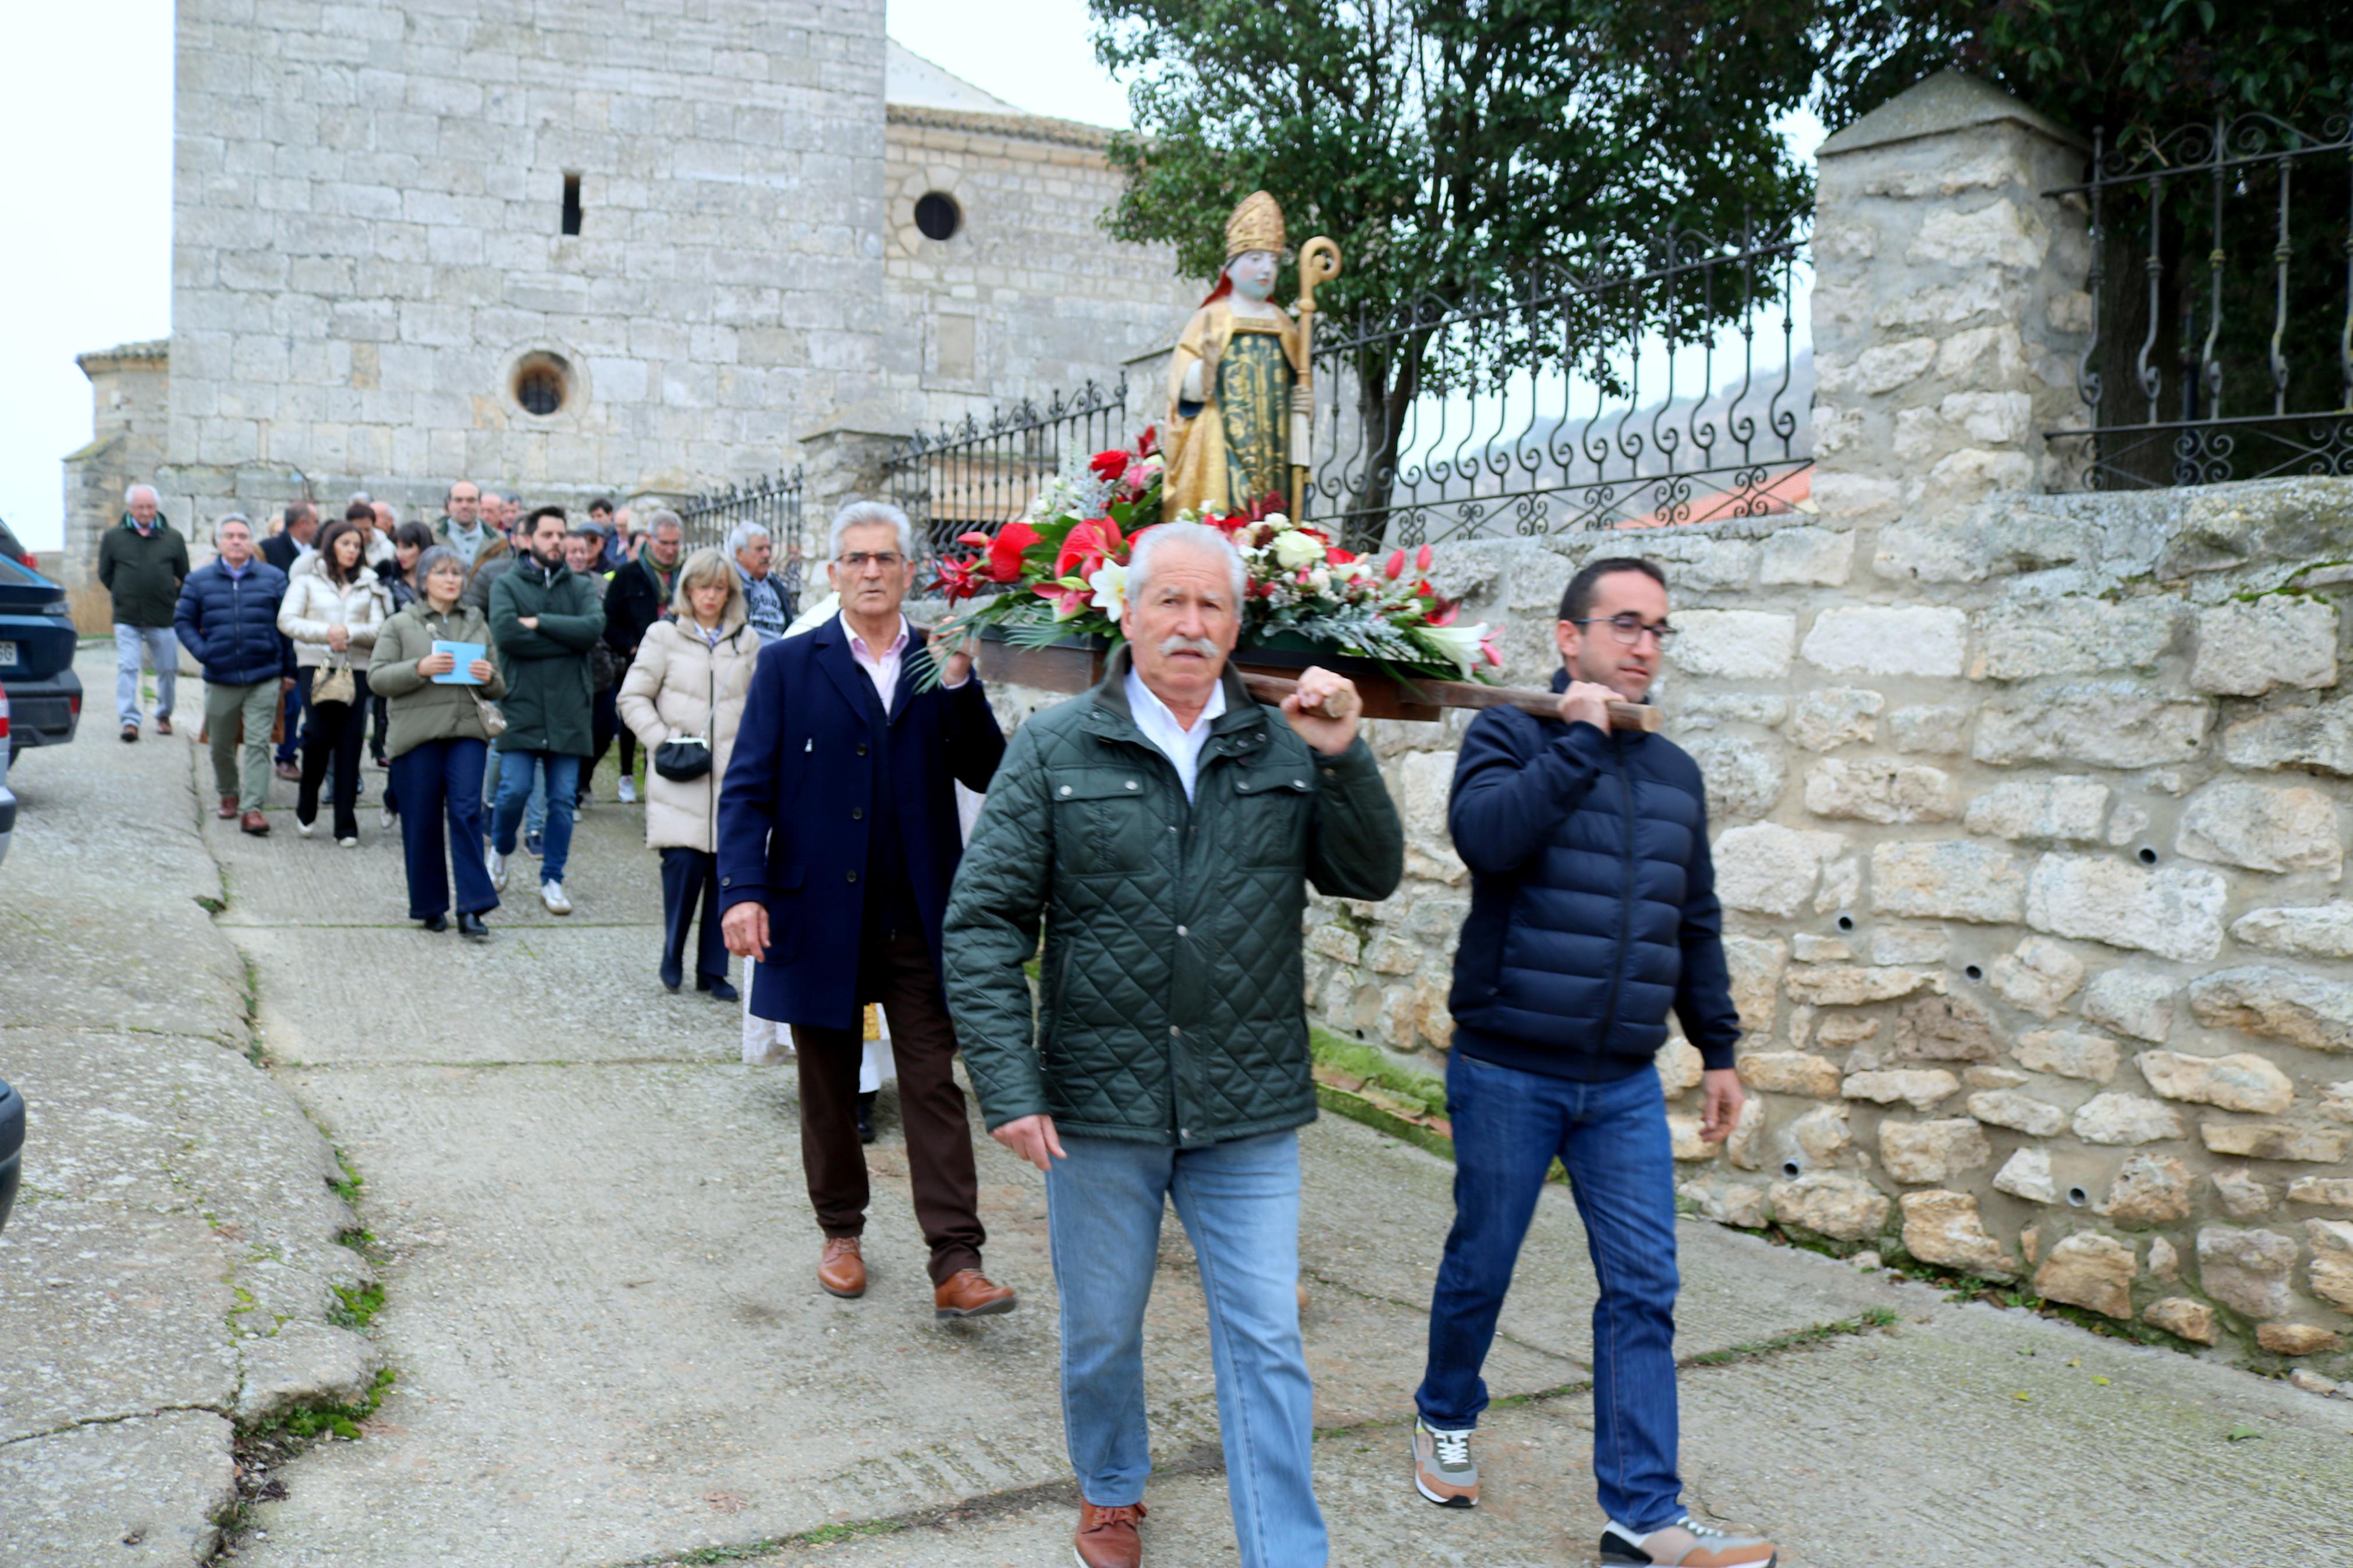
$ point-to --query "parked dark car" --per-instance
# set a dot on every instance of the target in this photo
(12, 1147)
(13, 548)
(7, 795)
(37, 653)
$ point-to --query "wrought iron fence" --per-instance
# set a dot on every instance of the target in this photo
(2222, 290)
(976, 475)
(1527, 414)
(773, 502)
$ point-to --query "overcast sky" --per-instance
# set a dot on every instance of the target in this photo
(88, 173)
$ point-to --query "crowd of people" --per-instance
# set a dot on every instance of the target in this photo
(1114, 947)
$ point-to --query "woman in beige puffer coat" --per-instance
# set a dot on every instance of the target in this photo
(691, 673)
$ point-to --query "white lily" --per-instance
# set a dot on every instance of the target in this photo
(1458, 644)
(1110, 582)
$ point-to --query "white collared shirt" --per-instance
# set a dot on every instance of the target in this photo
(1180, 745)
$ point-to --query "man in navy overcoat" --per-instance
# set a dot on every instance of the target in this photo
(837, 839)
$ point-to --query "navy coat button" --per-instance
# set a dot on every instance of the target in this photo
(857, 813)
(861, 748)
(853, 876)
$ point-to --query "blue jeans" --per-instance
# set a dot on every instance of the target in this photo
(516, 772)
(160, 647)
(442, 779)
(1611, 1138)
(1240, 1204)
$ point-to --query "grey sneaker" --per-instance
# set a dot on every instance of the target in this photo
(1443, 1470)
(552, 895)
(496, 863)
(1686, 1544)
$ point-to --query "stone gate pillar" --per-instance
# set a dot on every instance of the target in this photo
(1948, 309)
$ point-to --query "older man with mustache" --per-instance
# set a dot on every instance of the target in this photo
(1162, 827)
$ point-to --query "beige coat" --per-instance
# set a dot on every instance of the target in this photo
(669, 692)
(312, 604)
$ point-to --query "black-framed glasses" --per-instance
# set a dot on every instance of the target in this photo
(1629, 629)
(858, 560)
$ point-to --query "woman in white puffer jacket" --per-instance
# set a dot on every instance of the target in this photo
(331, 610)
(689, 678)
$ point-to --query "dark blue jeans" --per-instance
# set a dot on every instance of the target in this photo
(437, 780)
(1611, 1138)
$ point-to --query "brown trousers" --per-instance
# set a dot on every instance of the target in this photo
(898, 975)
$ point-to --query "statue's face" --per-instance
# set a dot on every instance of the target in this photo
(1253, 274)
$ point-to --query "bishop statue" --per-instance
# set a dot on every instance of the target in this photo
(1239, 397)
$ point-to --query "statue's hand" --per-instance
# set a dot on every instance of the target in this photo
(1190, 387)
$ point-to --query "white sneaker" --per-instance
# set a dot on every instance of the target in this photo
(552, 895)
(628, 793)
(347, 843)
(385, 820)
(496, 864)
(304, 829)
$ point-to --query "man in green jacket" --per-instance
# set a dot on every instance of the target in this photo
(1163, 826)
(544, 619)
(143, 564)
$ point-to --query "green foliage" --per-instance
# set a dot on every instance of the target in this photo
(1444, 145)
(356, 1306)
(2112, 63)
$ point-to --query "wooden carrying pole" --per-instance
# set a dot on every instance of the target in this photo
(1469, 694)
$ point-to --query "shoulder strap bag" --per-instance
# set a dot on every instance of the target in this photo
(683, 759)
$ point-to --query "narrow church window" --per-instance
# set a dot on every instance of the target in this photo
(571, 205)
(938, 216)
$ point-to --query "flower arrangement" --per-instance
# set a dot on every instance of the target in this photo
(1060, 570)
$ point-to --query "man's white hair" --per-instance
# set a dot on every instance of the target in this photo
(390, 511)
(130, 495)
(361, 497)
(858, 514)
(236, 516)
(740, 536)
(1197, 536)
(663, 519)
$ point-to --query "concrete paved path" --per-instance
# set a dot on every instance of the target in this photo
(610, 1349)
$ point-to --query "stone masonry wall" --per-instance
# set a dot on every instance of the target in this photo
(2029, 809)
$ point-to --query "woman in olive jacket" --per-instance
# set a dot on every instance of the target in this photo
(690, 677)
(439, 741)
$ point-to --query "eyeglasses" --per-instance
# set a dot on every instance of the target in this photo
(1629, 629)
(858, 560)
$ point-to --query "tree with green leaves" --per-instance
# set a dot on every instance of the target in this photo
(1450, 148)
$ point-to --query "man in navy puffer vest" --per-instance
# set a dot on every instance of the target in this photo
(1593, 911)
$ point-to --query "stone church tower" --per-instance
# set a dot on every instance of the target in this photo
(578, 247)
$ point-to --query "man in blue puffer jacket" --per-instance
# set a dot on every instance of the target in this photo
(227, 617)
(1593, 911)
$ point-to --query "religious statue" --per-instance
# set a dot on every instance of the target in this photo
(1240, 396)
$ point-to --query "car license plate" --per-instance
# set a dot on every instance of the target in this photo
(7, 653)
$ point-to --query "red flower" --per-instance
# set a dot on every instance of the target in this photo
(1108, 466)
(1004, 550)
(1336, 556)
(1067, 601)
(1149, 442)
(959, 579)
(1087, 546)
(1395, 567)
(1441, 614)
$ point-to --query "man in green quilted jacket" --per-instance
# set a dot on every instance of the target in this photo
(1162, 828)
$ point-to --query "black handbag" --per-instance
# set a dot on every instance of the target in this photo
(685, 758)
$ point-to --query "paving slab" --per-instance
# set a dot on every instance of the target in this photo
(107, 1312)
(148, 1492)
(558, 993)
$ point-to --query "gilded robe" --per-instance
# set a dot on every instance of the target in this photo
(1234, 448)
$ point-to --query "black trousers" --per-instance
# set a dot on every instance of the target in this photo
(335, 733)
(690, 880)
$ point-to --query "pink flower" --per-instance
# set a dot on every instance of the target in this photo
(1395, 567)
(1422, 559)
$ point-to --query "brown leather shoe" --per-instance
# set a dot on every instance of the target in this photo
(841, 1271)
(969, 1293)
(228, 812)
(256, 824)
(1106, 1536)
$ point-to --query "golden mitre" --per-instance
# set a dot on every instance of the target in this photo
(1257, 225)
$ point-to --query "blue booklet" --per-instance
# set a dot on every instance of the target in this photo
(467, 653)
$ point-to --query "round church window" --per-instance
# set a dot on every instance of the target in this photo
(937, 214)
(542, 384)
